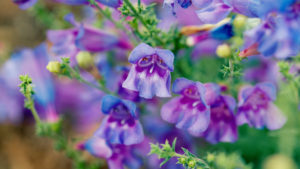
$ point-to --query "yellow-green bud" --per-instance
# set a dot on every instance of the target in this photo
(210, 157)
(239, 21)
(53, 67)
(84, 59)
(279, 161)
(223, 51)
(182, 160)
(192, 164)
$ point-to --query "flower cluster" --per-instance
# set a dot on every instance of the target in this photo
(155, 70)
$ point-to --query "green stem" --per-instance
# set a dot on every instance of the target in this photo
(136, 13)
(33, 111)
(117, 25)
(77, 76)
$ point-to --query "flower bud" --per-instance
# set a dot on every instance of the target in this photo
(182, 160)
(210, 157)
(279, 161)
(53, 67)
(239, 21)
(223, 51)
(84, 60)
(192, 164)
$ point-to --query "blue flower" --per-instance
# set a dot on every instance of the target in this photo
(121, 125)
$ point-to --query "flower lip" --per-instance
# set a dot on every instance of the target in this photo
(191, 92)
(143, 50)
(111, 103)
(152, 60)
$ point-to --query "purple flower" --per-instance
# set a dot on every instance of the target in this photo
(24, 4)
(256, 107)
(121, 126)
(110, 3)
(69, 42)
(118, 156)
(33, 63)
(276, 36)
(222, 126)
(189, 110)
(150, 72)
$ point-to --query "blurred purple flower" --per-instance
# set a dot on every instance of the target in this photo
(121, 125)
(150, 72)
(256, 107)
(24, 4)
(110, 3)
(69, 42)
(31, 62)
(118, 156)
(189, 110)
(276, 36)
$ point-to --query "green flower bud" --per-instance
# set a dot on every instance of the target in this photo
(239, 21)
(210, 157)
(192, 164)
(223, 51)
(182, 160)
(53, 67)
(279, 161)
(85, 60)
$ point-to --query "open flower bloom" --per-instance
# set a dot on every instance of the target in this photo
(118, 156)
(189, 110)
(121, 126)
(24, 4)
(222, 126)
(150, 72)
(256, 107)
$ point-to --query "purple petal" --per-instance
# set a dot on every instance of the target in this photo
(170, 112)
(201, 3)
(167, 56)
(98, 147)
(180, 84)
(212, 92)
(214, 13)
(133, 135)
(140, 51)
(274, 118)
(269, 89)
(148, 86)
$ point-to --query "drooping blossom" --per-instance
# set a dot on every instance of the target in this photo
(222, 126)
(121, 125)
(24, 4)
(277, 36)
(67, 43)
(256, 107)
(118, 156)
(150, 71)
(188, 111)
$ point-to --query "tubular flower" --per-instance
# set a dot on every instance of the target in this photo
(276, 36)
(189, 110)
(69, 42)
(24, 4)
(150, 72)
(256, 107)
(222, 126)
(118, 156)
(121, 126)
